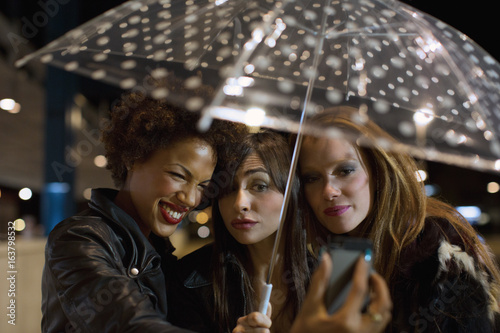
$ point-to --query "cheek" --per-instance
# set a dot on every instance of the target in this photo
(361, 188)
(165, 186)
(271, 207)
(311, 194)
(154, 184)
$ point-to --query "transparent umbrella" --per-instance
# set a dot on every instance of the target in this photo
(422, 81)
(275, 63)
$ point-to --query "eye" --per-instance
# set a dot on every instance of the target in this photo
(346, 170)
(176, 175)
(309, 178)
(260, 187)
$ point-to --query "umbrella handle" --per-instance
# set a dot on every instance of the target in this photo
(264, 298)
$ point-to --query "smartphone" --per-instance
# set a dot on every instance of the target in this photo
(344, 252)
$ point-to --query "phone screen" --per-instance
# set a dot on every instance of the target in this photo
(344, 252)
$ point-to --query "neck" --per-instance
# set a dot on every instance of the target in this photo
(260, 257)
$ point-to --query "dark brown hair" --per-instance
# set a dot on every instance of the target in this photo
(272, 148)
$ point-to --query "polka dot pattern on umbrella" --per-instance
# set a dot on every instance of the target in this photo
(421, 80)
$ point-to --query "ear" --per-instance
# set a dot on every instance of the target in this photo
(130, 165)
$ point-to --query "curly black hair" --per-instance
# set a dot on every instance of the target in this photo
(140, 125)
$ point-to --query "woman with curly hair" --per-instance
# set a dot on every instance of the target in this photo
(442, 277)
(106, 267)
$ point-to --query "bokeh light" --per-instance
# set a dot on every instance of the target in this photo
(100, 161)
(202, 218)
(203, 231)
(10, 105)
(493, 187)
(25, 193)
(19, 225)
(421, 175)
(86, 193)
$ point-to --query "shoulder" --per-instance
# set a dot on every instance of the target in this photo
(85, 223)
(83, 234)
(434, 240)
(201, 255)
(439, 254)
(194, 268)
(439, 271)
(441, 241)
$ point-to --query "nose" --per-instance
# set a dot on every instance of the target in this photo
(331, 191)
(241, 201)
(189, 196)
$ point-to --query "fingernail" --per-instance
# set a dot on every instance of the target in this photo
(368, 255)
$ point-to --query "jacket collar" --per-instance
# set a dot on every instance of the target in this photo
(102, 200)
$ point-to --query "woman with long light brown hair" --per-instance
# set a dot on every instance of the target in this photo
(442, 277)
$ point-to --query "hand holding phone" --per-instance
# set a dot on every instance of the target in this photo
(344, 252)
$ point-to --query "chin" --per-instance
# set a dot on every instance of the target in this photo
(164, 231)
(339, 230)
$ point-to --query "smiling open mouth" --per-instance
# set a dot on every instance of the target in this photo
(171, 214)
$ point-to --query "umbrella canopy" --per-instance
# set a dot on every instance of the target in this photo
(421, 80)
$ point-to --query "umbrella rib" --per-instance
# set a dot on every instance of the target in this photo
(248, 48)
(354, 32)
(233, 16)
(296, 150)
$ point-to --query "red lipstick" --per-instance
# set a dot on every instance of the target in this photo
(172, 214)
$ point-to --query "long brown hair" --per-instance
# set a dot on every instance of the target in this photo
(400, 205)
(273, 150)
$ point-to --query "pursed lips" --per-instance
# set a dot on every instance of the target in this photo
(243, 224)
(336, 210)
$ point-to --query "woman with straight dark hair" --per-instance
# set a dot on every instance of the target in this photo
(223, 281)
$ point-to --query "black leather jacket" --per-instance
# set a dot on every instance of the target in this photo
(102, 274)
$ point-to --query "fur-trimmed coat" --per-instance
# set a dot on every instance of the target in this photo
(439, 286)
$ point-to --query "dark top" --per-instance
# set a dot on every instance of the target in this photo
(191, 300)
(102, 274)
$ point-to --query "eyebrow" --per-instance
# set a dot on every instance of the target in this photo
(189, 172)
(349, 158)
(256, 170)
